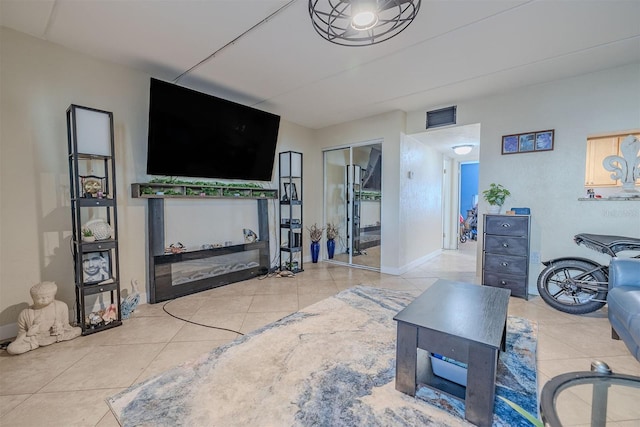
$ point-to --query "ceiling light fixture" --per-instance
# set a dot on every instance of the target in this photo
(361, 22)
(461, 150)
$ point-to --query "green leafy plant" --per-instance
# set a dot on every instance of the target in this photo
(496, 194)
(86, 232)
(147, 190)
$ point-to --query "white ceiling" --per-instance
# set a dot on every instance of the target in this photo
(455, 49)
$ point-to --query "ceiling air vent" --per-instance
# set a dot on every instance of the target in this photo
(441, 117)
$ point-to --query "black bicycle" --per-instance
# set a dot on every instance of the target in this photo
(580, 285)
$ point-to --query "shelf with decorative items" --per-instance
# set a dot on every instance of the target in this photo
(168, 188)
(291, 224)
(94, 218)
(171, 269)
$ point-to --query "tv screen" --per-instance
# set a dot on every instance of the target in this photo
(193, 134)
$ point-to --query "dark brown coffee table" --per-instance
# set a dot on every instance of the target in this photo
(461, 321)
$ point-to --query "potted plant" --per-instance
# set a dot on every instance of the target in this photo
(315, 234)
(495, 196)
(332, 234)
(87, 235)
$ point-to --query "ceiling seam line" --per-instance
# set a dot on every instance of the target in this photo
(496, 72)
(50, 20)
(435, 37)
(510, 68)
(232, 42)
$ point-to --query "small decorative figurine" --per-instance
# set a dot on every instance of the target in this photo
(44, 323)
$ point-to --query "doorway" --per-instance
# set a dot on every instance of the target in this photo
(469, 173)
(352, 202)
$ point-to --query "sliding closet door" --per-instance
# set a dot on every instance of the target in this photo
(352, 201)
(335, 199)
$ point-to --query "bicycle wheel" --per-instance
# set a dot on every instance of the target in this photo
(572, 286)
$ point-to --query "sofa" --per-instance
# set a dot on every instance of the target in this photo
(624, 302)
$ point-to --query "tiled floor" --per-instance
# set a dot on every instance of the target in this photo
(66, 384)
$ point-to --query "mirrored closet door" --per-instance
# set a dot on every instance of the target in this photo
(352, 202)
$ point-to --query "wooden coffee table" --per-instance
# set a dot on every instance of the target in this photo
(462, 321)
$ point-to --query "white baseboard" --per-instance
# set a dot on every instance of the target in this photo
(411, 265)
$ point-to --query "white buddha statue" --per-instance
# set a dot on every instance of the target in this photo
(44, 323)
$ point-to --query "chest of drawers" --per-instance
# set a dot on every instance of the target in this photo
(505, 254)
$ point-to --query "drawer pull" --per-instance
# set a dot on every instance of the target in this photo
(503, 283)
(506, 225)
(505, 245)
(504, 264)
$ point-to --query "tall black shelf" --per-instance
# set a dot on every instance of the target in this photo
(291, 225)
(356, 173)
(93, 198)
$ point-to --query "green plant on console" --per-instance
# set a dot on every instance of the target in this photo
(496, 194)
(147, 190)
(170, 180)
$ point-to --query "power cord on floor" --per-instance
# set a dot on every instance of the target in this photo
(164, 307)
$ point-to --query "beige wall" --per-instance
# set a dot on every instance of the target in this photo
(38, 81)
(421, 196)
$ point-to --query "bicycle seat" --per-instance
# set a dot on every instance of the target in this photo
(607, 244)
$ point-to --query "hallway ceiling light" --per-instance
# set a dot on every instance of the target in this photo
(361, 22)
(461, 150)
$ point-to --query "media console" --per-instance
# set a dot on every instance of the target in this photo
(173, 275)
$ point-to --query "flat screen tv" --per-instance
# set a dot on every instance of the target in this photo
(192, 134)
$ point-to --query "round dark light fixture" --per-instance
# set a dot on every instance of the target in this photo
(361, 22)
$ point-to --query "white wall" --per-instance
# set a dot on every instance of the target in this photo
(551, 182)
(39, 80)
(421, 199)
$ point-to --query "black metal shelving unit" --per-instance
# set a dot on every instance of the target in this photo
(93, 198)
(291, 225)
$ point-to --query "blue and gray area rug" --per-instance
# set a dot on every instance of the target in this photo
(330, 364)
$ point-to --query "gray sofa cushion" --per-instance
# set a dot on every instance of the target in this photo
(624, 301)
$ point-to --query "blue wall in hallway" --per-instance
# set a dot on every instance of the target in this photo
(468, 186)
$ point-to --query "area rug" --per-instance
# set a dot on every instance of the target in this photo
(330, 364)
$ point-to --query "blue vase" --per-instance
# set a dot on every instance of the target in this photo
(331, 247)
(315, 251)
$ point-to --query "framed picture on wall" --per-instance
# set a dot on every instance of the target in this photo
(509, 144)
(528, 142)
(544, 140)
